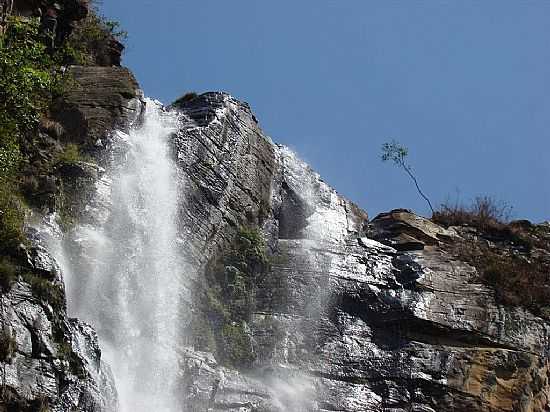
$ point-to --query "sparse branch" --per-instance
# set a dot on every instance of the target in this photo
(397, 153)
(407, 169)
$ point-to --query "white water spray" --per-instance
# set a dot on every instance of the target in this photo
(127, 275)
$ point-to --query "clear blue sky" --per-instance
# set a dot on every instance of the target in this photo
(465, 84)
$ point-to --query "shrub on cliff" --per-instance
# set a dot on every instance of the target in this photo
(484, 213)
(95, 40)
(27, 82)
(12, 216)
(46, 291)
(508, 256)
(236, 346)
(69, 156)
(8, 274)
(228, 301)
(517, 279)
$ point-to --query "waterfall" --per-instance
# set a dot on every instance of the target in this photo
(126, 274)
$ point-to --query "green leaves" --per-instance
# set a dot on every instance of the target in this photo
(91, 39)
(27, 82)
(27, 76)
(395, 152)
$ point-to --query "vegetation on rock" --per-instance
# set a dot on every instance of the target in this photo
(28, 81)
(484, 213)
(70, 155)
(65, 352)
(228, 301)
(12, 215)
(512, 257)
(31, 78)
(236, 345)
(8, 274)
(94, 40)
(45, 290)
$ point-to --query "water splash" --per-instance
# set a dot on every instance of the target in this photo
(126, 275)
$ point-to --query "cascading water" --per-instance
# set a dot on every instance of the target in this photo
(126, 277)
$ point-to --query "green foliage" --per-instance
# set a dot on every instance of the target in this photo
(228, 300)
(236, 346)
(91, 39)
(27, 83)
(397, 153)
(12, 217)
(246, 259)
(8, 274)
(10, 154)
(8, 344)
(70, 155)
(27, 78)
(46, 291)
(249, 253)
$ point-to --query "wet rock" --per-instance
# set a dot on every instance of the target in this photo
(351, 315)
(375, 317)
(54, 362)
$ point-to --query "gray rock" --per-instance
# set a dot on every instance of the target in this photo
(100, 100)
(55, 362)
(351, 317)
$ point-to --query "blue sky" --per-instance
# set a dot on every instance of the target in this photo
(464, 84)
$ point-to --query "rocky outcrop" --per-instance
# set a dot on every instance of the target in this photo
(349, 315)
(48, 361)
(72, 10)
(352, 316)
(99, 100)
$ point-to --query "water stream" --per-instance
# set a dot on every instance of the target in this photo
(126, 274)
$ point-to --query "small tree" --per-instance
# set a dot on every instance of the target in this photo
(397, 153)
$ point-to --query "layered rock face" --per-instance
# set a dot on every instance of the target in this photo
(348, 314)
(48, 361)
(352, 316)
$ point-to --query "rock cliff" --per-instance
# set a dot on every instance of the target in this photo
(48, 361)
(352, 315)
(299, 301)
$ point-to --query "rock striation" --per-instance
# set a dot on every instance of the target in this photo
(348, 314)
(100, 100)
(353, 315)
(48, 361)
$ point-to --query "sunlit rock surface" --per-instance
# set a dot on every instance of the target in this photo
(352, 317)
(54, 363)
